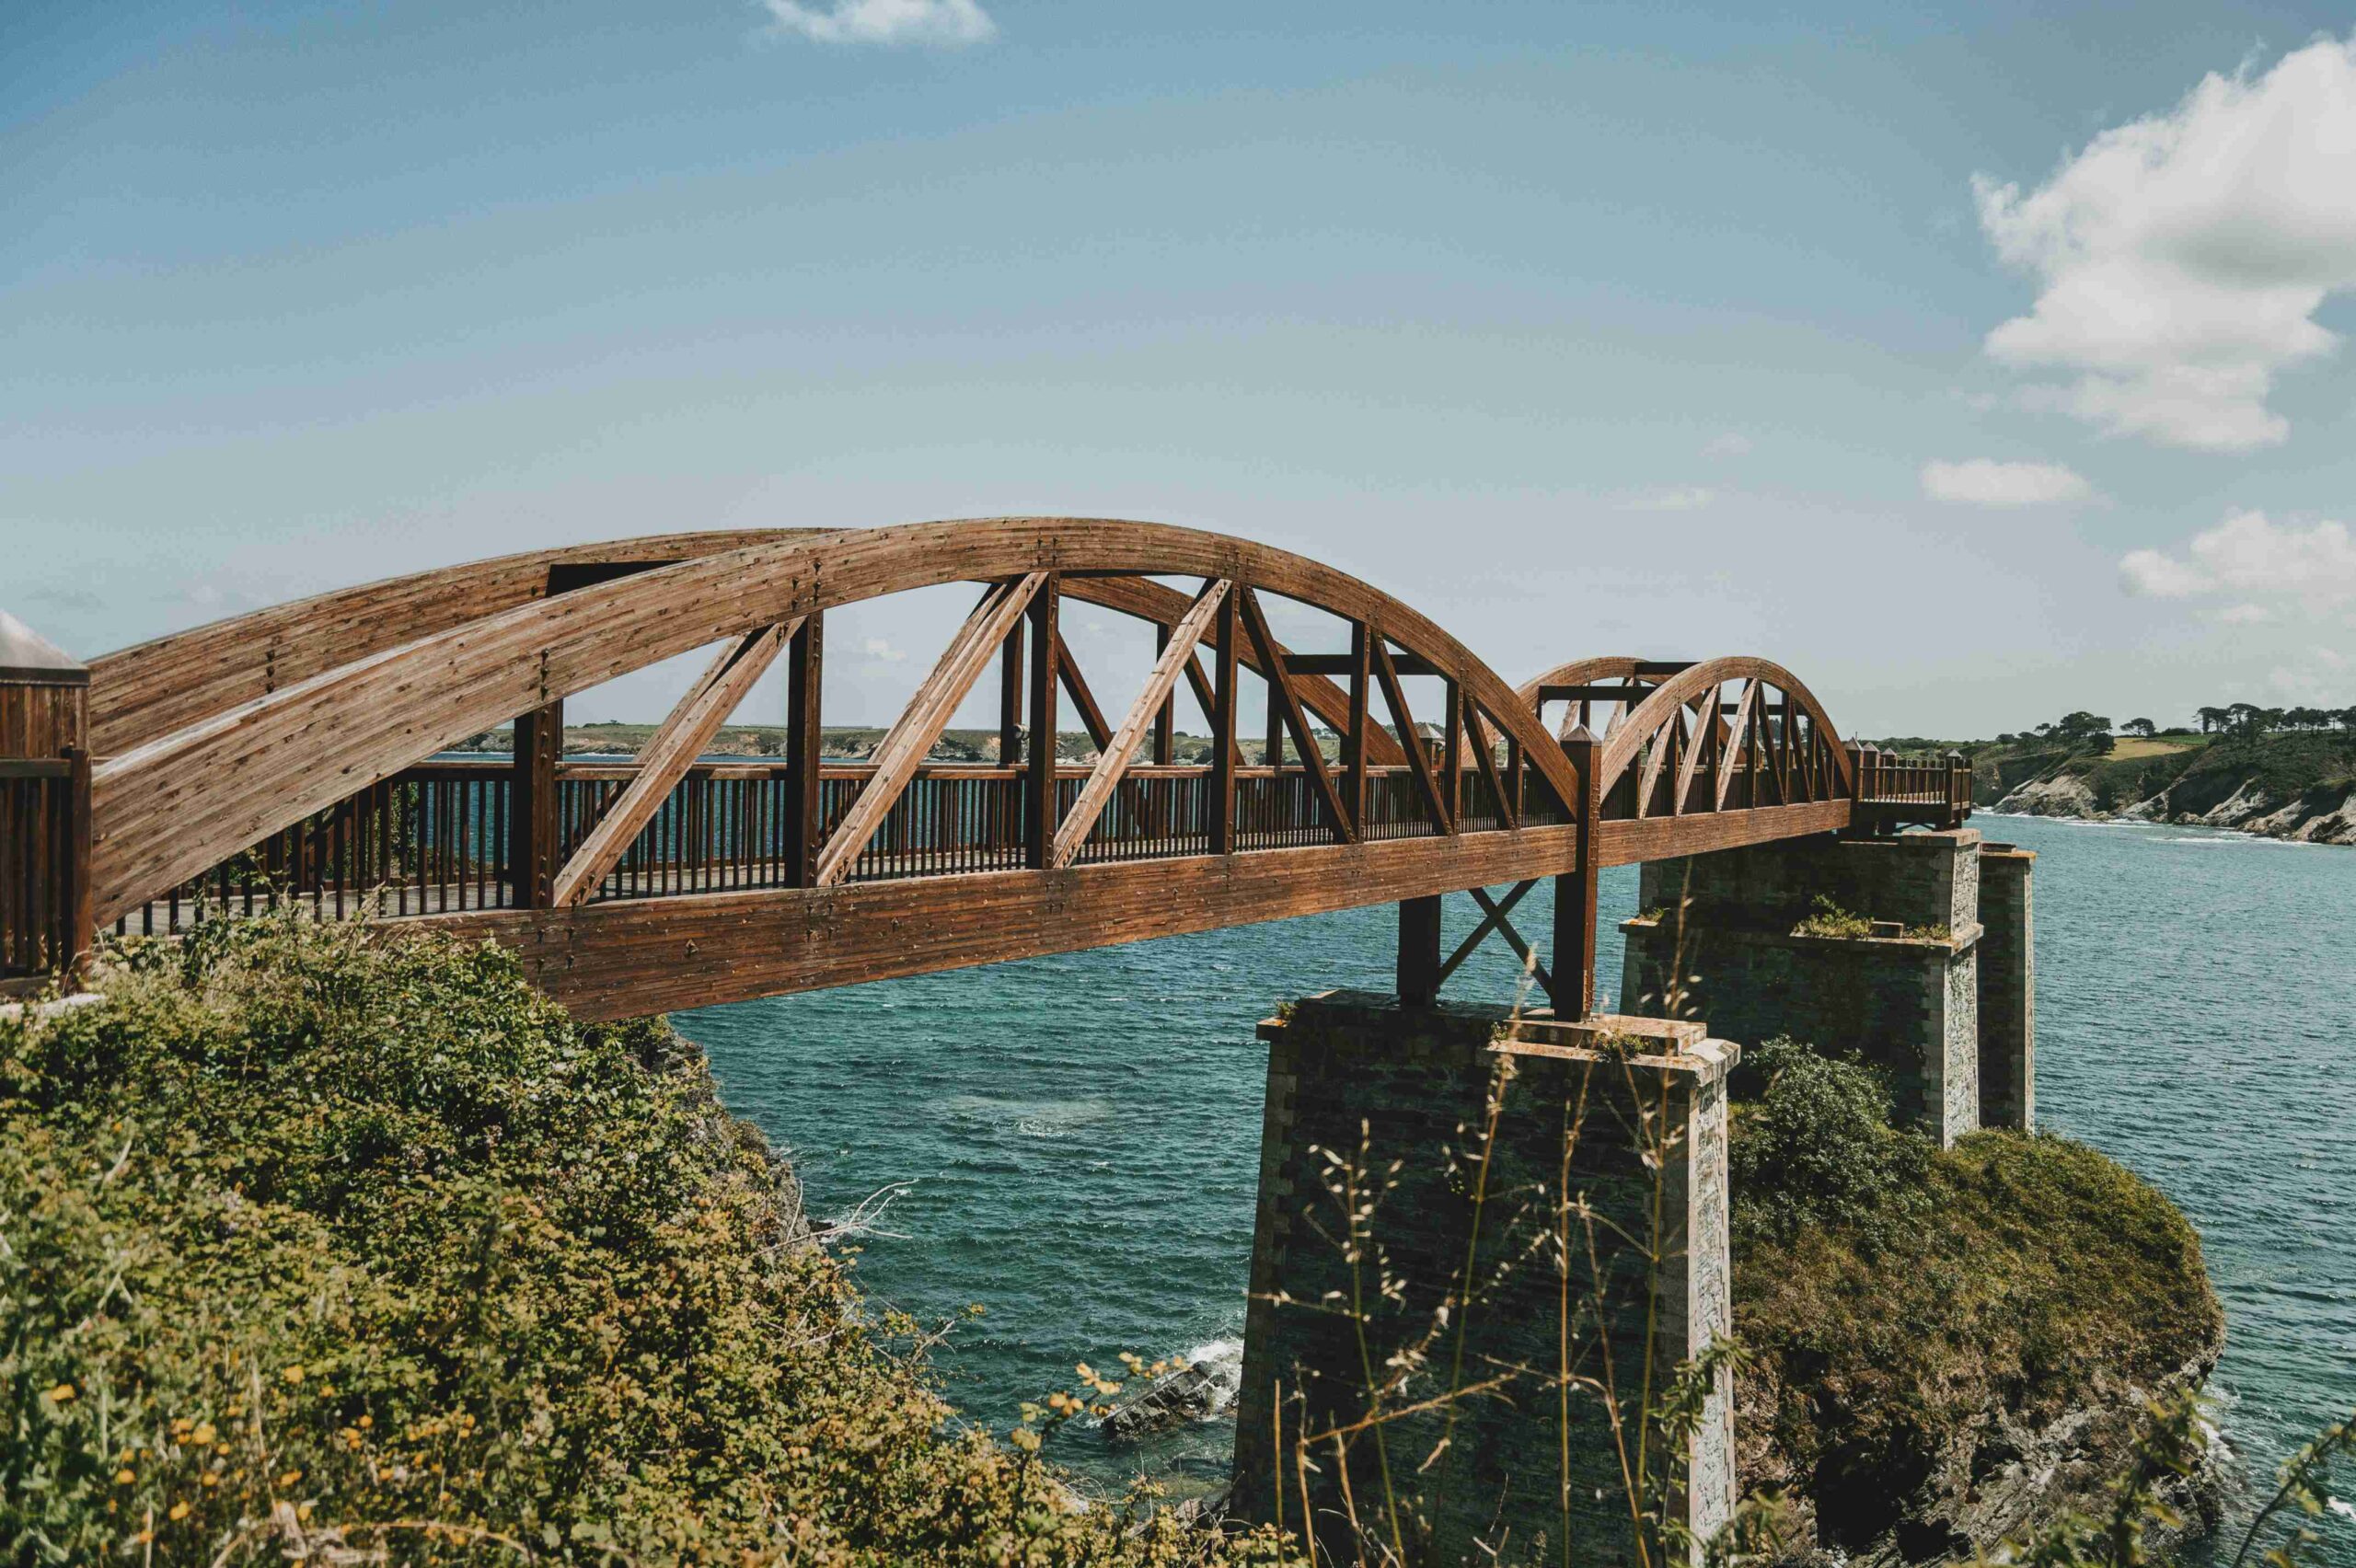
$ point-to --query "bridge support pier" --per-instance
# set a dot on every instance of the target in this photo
(1540, 1241)
(1754, 939)
(2007, 989)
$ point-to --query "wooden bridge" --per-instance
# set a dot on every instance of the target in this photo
(293, 755)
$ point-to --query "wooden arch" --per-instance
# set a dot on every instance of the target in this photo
(233, 765)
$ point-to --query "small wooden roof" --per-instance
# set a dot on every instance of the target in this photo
(26, 655)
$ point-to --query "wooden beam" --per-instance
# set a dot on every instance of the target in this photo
(1303, 664)
(805, 745)
(1039, 757)
(1164, 606)
(1403, 723)
(1737, 748)
(534, 852)
(1092, 717)
(1165, 718)
(666, 758)
(910, 739)
(1706, 727)
(1280, 691)
(1627, 842)
(1451, 753)
(1492, 916)
(624, 958)
(1495, 915)
(1484, 750)
(1355, 732)
(1576, 895)
(1224, 745)
(1114, 760)
(1009, 697)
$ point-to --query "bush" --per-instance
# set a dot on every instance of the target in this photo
(322, 1244)
(1815, 1147)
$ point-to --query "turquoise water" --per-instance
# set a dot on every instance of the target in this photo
(1079, 1135)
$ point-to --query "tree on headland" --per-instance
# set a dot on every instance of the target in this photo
(2213, 718)
(2142, 727)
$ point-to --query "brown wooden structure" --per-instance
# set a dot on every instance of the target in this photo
(294, 754)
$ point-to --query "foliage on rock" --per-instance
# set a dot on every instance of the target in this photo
(328, 1246)
(1894, 1298)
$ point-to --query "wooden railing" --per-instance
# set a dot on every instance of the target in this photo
(44, 864)
(1885, 779)
(441, 836)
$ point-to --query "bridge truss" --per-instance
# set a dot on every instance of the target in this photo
(294, 754)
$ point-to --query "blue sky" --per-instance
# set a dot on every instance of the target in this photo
(1677, 330)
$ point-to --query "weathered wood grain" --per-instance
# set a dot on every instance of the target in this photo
(673, 750)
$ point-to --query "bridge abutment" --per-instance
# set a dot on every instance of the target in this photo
(1483, 1245)
(1874, 946)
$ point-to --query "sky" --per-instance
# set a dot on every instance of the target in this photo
(1975, 363)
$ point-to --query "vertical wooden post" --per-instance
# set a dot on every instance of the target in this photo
(535, 848)
(81, 930)
(1420, 951)
(1165, 718)
(805, 747)
(1271, 747)
(1451, 766)
(1862, 766)
(1039, 813)
(1010, 698)
(1576, 894)
(45, 918)
(1361, 674)
(1223, 823)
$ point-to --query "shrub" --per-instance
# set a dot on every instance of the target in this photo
(1830, 920)
(1815, 1147)
(323, 1244)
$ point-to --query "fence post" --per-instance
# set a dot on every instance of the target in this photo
(44, 717)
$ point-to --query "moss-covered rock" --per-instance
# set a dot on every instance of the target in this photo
(1947, 1347)
(318, 1243)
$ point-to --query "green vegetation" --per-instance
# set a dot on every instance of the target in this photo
(328, 1246)
(1830, 920)
(1892, 1296)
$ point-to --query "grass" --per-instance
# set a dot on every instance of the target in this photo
(328, 1246)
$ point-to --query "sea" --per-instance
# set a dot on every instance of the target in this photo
(1070, 1145)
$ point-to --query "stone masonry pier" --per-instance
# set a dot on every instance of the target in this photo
(1936, 990)
(1483, 1247)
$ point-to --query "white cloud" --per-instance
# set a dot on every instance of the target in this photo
(1666, 498)
(1733, 444)
(2249, 555)
(2243, 614)
(1984, 481)
(878, 648)
(2322, 679)
(2180, 259)
(940, 22)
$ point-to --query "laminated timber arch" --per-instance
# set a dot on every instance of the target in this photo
(166, 809)
(279, 735)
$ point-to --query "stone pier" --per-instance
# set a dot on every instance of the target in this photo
(1719, 936)
(1483, 1247)
(2007, 989)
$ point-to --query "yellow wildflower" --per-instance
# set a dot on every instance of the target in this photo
(179, 1510)
(125, 1477)
(60, 1393)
